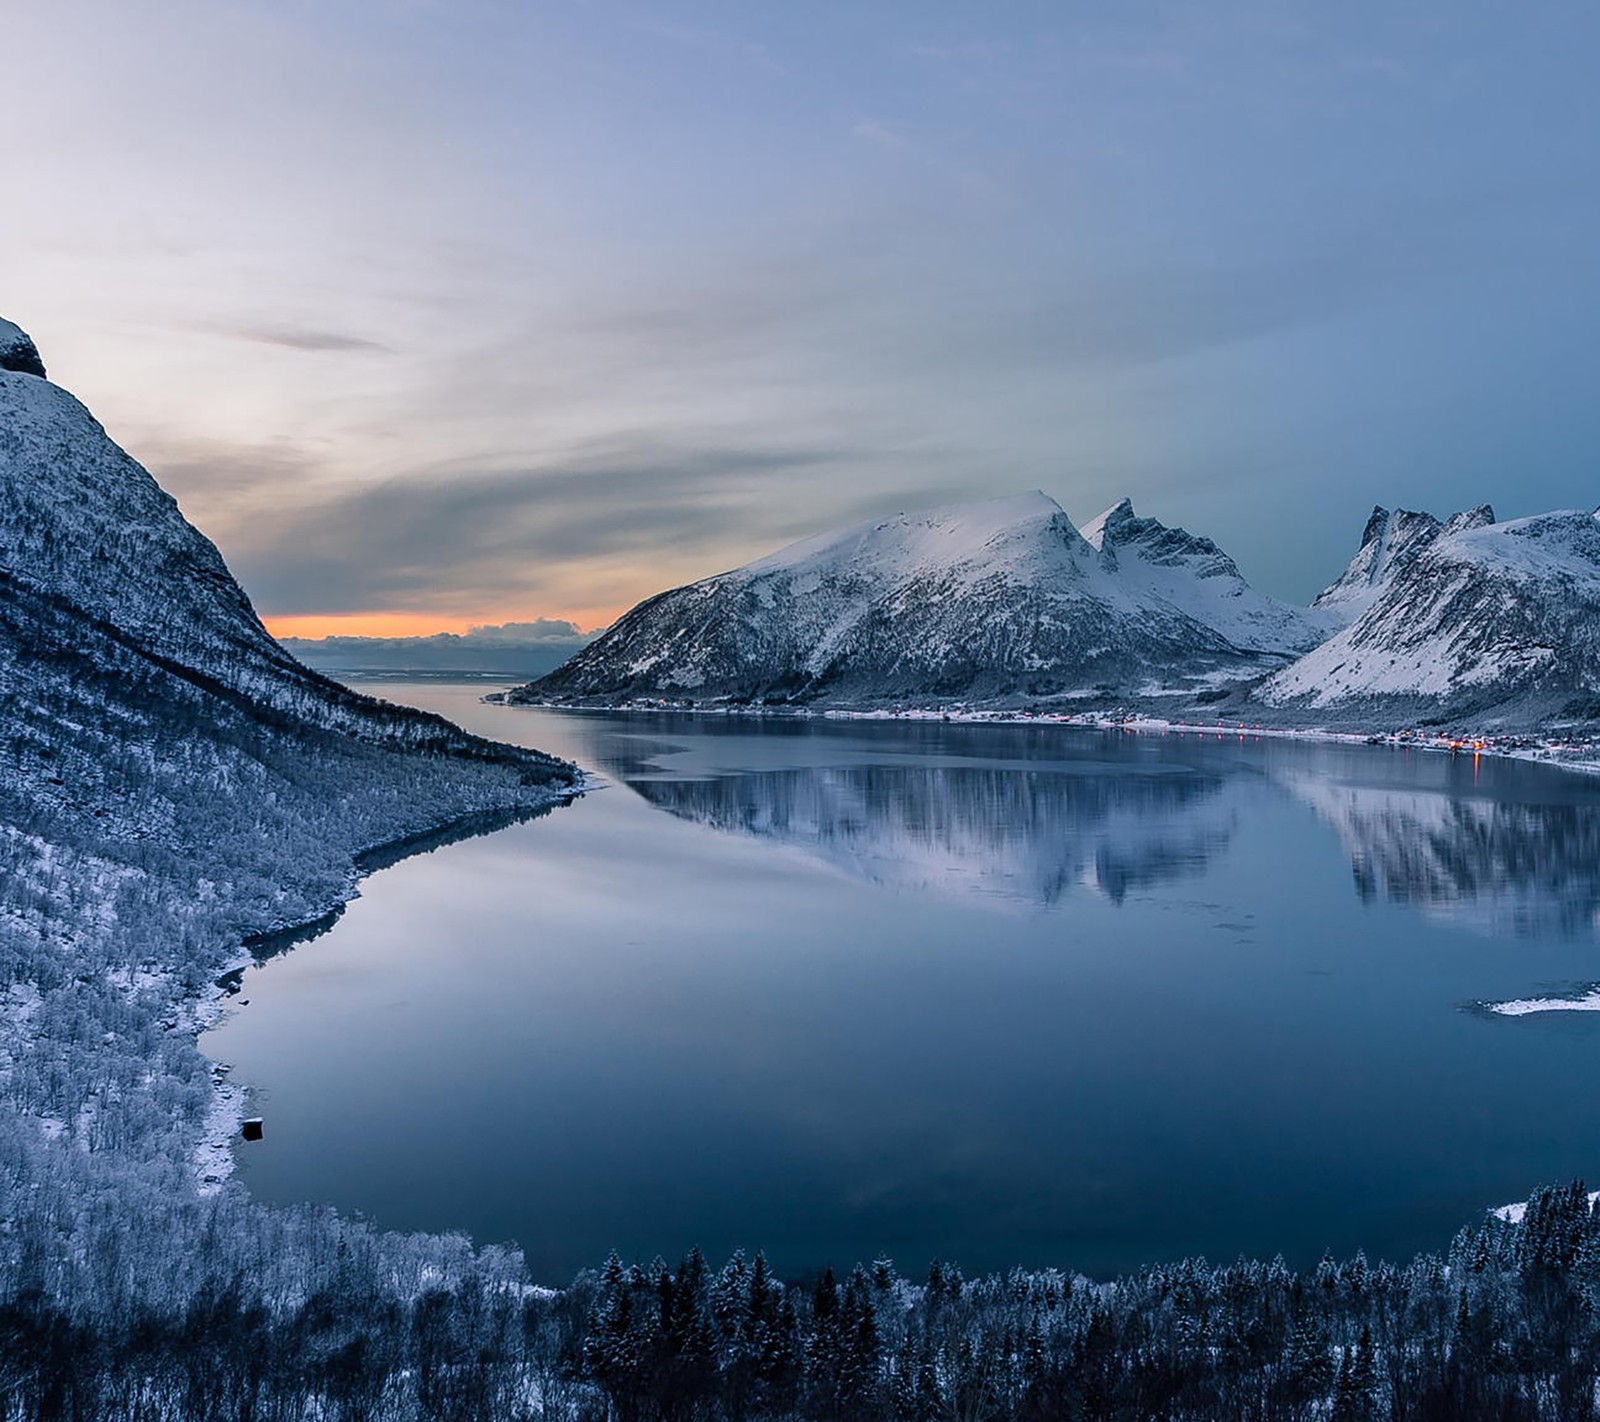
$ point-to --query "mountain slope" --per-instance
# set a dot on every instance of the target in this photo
(171, 783)
(85, 526)
(997, 599)
(1496, 621)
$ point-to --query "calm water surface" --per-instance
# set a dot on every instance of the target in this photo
(1002, 995)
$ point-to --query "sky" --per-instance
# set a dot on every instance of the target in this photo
(442, 312)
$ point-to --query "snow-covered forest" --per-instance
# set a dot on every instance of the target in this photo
(275, 1314)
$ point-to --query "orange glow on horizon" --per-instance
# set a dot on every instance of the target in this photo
(416, 624)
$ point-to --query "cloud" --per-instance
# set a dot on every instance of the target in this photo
(1137, 317)
(488, 537)
(525, 649)
(295, 339)
(225, 485)
(544, 633)
(877, 133)
(540, 630)
(747, 409)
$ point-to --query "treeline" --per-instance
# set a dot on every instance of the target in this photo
(1502, 1327)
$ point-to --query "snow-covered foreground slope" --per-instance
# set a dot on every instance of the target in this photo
(171, 782)
(1498, 623)
(1002, 599)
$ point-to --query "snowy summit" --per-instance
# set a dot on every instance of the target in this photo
(1004, 598)
(17, 350)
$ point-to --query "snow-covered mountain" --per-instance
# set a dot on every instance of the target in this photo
(85, 530)
(172, 784)
(1496, 622)
(1001, 599)
(1174, 566)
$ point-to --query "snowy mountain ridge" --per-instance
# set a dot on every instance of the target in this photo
(999, 598)
(1389, 544)
(1501, 620)
(1006, 603)
(1192, 573)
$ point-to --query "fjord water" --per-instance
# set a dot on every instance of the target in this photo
(1004, 995)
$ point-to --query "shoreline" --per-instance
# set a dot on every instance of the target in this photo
(214, 1157)
(1523, 746)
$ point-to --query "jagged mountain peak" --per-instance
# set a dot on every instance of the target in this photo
(17, 350)
(1113, 519)
(1390, 541)
(1189, 572)
(1480, 517)
(1119, 527)
(1377, 521)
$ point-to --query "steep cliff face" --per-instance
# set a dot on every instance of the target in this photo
(1390, 543)
(1003, 599)
(17, 350)
(1499, 621)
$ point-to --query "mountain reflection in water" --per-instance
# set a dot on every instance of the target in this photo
(1504, 867)
(1037, 818)
(1032, 835)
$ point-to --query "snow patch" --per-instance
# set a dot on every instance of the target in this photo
(1586, 1001)
(1516, 1213)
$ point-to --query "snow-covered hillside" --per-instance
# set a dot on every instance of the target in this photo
(1001, 599)
(83, 525)
(1499, 622)
(171, 783)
